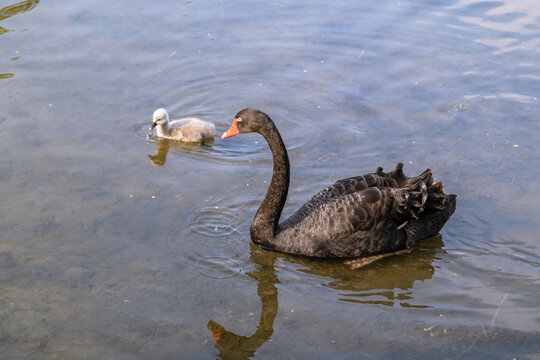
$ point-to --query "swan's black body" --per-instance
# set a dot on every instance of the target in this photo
(359, 216)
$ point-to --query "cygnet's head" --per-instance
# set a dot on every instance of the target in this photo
(160, 117)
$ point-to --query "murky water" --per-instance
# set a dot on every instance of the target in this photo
(115, 244)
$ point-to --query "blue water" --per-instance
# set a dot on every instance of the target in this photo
(115, 244)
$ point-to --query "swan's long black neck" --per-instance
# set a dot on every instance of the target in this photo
(265, 224)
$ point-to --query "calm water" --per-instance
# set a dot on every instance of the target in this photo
(115, 245)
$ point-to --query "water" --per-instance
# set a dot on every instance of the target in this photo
(115, 244)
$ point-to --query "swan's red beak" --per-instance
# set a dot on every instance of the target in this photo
(233, 130)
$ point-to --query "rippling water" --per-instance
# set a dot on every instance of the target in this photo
(116, 244)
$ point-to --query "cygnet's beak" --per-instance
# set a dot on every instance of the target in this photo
(152, 126)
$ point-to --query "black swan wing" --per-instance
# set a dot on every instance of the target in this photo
(356, 184)
(372, 220)
(338, 190)
(337, 227)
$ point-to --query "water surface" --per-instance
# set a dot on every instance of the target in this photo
(115, 244)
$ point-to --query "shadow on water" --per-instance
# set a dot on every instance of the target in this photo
(233, 346)
(163, 146)
(18, 8)
(383, 282)
(384, 278)
(363, 283)
(12, 10)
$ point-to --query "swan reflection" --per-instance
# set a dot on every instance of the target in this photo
(18, 8)
(233, 346)
(15, 9)
(162, 149)
(163, 146)
(388, 282)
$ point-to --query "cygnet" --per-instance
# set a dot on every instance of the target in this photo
(186, 129)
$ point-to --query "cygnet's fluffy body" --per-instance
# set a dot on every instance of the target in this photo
(186, 129)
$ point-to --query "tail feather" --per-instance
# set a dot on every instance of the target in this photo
(398, 175)
(418, 194)
(430, 223)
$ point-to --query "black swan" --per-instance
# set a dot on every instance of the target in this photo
(368, 215)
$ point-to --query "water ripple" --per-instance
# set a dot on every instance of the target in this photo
(215, 222)
(212, 240)
(218, 267)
